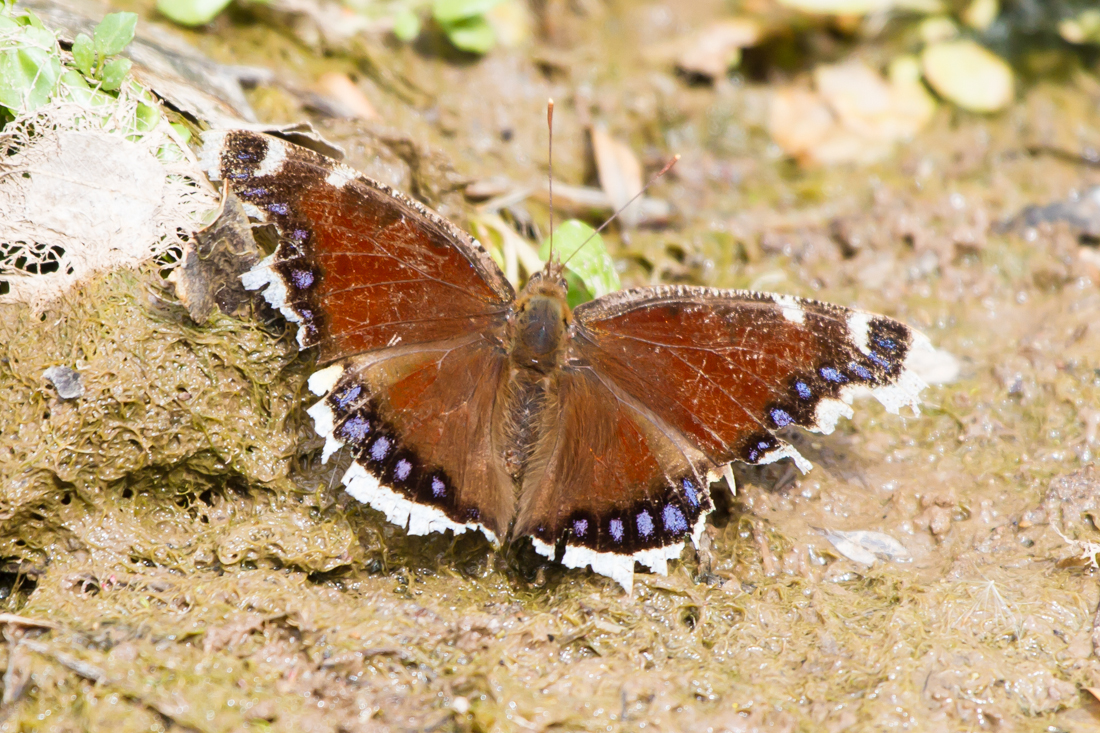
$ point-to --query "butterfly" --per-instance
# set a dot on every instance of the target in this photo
(594, 432)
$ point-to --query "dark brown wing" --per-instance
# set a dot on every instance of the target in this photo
(727, 368)
(611, 482)
(664, 386)
(359, 266)
(412, 312)
(417, 420)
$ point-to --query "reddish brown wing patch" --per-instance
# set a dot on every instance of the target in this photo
(609, 484)
(358, 265)
(417, 421)
(727, 368)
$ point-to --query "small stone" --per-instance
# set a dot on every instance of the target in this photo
(66, 381)
(839, 7)
(938, 28)
(980, 14)
(969, 75)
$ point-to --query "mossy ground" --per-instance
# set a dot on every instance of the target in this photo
(198, 569)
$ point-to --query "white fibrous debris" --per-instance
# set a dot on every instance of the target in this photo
(81, 193)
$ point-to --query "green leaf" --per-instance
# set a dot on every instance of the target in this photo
(191, 12)
(29, 18)
(114, 73)
(84, 54)
(74, 88)
(182, 131)
(590, 272)
(29, 69)
(147, 117)
(114, 33)
(474, 35)
(406, 25)
(452, 11)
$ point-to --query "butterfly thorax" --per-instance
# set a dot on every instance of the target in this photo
(537, 343)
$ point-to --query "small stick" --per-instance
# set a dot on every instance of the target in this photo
(14, 620)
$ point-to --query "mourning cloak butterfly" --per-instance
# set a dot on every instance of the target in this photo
(596, 433)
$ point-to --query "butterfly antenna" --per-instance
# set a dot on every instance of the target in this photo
(622, 208)
(550, 167)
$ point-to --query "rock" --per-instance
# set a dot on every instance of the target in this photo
(968, 75)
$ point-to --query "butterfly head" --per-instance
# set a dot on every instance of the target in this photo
(542, 319)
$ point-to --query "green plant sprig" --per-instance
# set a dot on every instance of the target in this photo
(97, 57)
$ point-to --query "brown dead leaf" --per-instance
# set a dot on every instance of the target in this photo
(619, 172)
(713, 51)
(854, 114)
(209, 272)
(347, 98)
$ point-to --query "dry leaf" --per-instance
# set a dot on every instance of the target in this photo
(855, 115)
(865, 546)
(76, 202)
(619, 172)
(212, 264)
(349, 99)
(712, 52)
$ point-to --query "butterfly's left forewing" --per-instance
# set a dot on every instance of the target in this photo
(729, 368)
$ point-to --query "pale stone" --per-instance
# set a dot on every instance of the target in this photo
(968, 75)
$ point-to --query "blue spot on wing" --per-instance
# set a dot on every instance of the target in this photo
(885, 343)
(347, 395)
(615, 527)
(355, 428)
(380, 449)
(782, 418)
(674, 519)
(689, 491)
(439, 489)
(861, 371)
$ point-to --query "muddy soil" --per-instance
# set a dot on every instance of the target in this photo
(176, 557)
